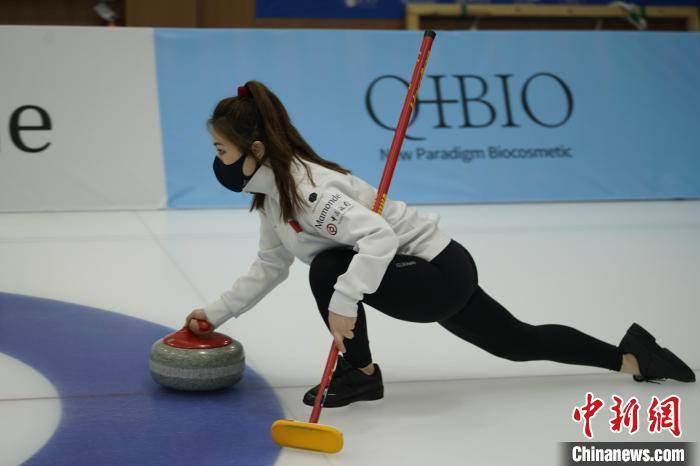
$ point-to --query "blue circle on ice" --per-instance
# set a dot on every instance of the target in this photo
(113, 413)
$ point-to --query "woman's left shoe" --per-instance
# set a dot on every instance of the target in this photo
(349, 385)
(655, 362)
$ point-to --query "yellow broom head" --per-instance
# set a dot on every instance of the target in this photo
(307, 436)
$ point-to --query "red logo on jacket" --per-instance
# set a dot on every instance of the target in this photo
(294, 224)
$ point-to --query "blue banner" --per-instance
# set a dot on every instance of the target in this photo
(501, 116)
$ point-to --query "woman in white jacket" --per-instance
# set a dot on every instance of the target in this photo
(398, 262)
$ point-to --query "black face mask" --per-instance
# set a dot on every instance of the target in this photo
(231, 176)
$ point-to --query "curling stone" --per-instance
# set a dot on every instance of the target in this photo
(185, 361)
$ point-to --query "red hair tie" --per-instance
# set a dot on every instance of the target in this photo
(243, 91)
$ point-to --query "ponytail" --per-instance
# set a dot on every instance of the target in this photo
(262, 116)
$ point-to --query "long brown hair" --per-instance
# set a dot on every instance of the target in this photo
(262, 117)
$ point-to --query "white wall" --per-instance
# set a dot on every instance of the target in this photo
(97, 87)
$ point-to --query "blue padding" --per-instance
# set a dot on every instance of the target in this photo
(113, 412)
(333, 8)
(397, 8)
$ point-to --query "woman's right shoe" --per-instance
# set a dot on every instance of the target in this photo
(655, 362)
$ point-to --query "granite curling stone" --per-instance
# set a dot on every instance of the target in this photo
(185, 361)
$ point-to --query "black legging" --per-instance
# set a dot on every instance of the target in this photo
(445, 290)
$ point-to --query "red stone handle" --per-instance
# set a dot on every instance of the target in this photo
(203, 325)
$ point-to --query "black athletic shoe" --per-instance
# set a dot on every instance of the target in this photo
(349, 385)
(655, 362)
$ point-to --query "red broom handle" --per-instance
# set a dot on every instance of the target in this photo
(382, 191)
(405, 117)
(325, 381)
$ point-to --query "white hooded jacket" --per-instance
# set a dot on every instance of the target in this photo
(338, 212)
